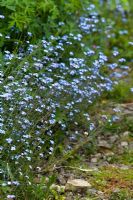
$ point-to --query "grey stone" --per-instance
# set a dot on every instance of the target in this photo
(124, 143)
(126, 133)
(76, 184)
(105, 144)
(94, 160)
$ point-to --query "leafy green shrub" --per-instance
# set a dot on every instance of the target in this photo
(41, 17)
(48, 86)
(47, 17)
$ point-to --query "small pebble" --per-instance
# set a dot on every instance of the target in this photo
(116, 190)
(126, 133)
(124, 144)
(100, 193)
(94, 160)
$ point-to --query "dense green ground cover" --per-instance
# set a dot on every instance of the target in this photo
(59, 61)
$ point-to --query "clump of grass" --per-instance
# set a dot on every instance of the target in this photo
(122, 93)
(125, 158)
(109, 178)
(121, 195)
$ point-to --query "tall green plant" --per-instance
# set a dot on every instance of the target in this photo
(38, 15)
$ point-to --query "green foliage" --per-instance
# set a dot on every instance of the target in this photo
(39, 16)
(126, 158)
(43, 16)
(122, 92)
(121, 195)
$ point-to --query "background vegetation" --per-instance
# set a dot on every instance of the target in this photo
(60, 60)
